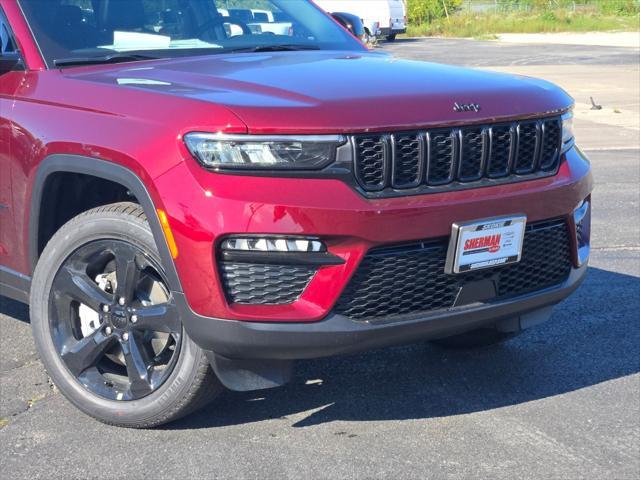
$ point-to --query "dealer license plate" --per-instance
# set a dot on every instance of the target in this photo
(485, 243)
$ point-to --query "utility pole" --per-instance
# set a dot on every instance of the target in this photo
(444, 4)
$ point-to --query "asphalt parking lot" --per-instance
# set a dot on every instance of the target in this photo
(561, 401)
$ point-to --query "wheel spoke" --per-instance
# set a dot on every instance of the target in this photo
(81, 288)
(86, 353)
(138, 366)
(158, 318)
(127, 273)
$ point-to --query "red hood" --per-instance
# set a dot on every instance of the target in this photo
(312, 92)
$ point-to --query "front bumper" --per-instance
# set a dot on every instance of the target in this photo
(203, 208)
(337, 334)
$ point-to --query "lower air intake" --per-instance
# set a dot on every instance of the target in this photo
(257, 284)
(394, 282)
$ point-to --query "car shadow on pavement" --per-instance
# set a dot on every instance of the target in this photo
(593, 337)
(399, 40)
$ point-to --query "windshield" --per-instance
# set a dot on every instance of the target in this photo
(75, 32)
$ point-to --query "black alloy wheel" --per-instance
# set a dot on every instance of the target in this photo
(108, 327)
(113, 320)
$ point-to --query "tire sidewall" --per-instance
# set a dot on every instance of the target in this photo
(72, 236)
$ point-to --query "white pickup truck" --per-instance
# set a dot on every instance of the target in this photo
(390, 15)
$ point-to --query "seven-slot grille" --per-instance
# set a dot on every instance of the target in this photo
(440, 158)
(394, 282)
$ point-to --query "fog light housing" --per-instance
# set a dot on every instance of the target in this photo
(286, 250)
(270, 270)
(273, 244)
(582, 219)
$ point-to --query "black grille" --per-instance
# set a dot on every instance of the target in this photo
(580, 237)
(441, 159)
(502, 139)
(472, 158)
(398, 281)
(407, 170)
(255, 284)
(527, 148)
(392, 164)
(552, 135)
(371, 169)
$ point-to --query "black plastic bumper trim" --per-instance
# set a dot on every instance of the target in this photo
(313, 259)
(337, 334)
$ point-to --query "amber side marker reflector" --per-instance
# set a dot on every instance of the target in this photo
(168, 234)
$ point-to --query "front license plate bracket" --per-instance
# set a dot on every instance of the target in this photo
(485, 243)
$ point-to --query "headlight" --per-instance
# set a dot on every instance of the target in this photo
(567, 131)
(255, 152)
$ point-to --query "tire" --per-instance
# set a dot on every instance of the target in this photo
(152, 373)
(483, 337)
(392, 37)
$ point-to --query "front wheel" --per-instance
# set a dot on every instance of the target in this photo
(106, 325)
(392, 37)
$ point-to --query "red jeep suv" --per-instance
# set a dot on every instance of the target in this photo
(189, 201)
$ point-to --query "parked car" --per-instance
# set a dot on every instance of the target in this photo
(190, 211)
(255, 21)
(385, 18)
(353, 24)
(231, 29)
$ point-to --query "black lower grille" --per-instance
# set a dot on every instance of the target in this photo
(256, 284)
(410, 279)
(581, 237)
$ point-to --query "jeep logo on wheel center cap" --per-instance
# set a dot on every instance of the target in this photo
(119, 319)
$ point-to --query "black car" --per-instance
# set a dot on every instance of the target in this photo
(353, 23)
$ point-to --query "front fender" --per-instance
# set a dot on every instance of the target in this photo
(107, 171)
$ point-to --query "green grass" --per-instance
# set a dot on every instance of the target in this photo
(482, 26)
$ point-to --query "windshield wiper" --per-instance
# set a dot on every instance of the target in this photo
(110, 58)
(274, 48)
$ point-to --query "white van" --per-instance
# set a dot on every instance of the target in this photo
(389, 14)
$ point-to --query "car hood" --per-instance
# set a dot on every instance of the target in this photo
(321, 92)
